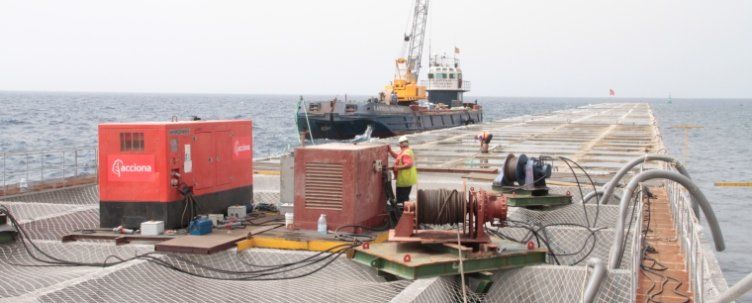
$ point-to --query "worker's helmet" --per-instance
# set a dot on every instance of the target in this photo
(403, 139)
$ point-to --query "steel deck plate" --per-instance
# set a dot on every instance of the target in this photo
(415, 261)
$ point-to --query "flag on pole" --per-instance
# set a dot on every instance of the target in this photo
(611, 92)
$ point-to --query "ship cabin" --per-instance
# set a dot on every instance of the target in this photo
(445, 83)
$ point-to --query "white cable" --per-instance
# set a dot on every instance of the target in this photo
(462, 269)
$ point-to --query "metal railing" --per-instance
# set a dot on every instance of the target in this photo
(636, 247)
(22, 170)
(705, 278)
(686, 224)
(702, 267)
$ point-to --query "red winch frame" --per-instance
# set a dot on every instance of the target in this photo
(482, 208)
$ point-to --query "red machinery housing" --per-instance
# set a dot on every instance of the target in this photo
(142, 166)
(343, 182)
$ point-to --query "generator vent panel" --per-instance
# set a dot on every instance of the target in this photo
(323, 185)
(339, 180)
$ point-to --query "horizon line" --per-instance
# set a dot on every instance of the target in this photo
(355, 95)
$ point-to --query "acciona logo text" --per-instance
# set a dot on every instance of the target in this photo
(238, 148)
(241, 148)
(118, 168)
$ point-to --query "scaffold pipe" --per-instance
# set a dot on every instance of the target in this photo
(695, 193)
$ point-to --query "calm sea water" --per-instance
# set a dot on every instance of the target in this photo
(718, 151)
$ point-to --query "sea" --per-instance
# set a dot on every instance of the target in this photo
(717, 151)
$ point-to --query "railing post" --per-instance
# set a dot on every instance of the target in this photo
(75, 162)
(96, 163)
(13, 170)
(5, 188)
(62, 167)
(27, 167)
(41, 167)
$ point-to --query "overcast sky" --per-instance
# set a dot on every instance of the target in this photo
(644, 48)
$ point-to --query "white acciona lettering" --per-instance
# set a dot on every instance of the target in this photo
(237, 148)
(242, 148)
(118, 168)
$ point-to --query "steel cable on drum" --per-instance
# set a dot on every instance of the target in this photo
(441, 206)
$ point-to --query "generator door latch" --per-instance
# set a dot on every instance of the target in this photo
(377, 166)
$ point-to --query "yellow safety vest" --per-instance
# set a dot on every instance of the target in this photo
(407, 177)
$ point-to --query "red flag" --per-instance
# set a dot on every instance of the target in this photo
(611, 92)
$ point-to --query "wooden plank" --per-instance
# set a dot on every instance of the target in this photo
(458, 170)
(480, 177)
(118, 238)
(266, 172)
(560, 183)
(218, 240)
(491, 177)
(599, 180)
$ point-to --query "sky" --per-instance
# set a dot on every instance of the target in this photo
(639, 48)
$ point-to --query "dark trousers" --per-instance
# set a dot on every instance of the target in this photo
(403, 194)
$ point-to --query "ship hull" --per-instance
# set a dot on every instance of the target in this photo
(402, 120)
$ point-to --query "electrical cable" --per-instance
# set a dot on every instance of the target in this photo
(576, 179)
(592, 183)
(267, 271)
(656, 268)
(539, 239)
(332, 257)
(354, 236)
(540, 232)
(536, 229)
(242, 260)
(595, 189)
(187, 193)
(590, 228)
(261, 274)
(268, 207)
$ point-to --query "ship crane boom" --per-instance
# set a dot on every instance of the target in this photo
(404, 89)
(415, 39)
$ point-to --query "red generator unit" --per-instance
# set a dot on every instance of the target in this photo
(143, 166)
(342, 181)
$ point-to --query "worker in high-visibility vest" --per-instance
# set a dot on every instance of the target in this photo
(404, 170)
(485, 139)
